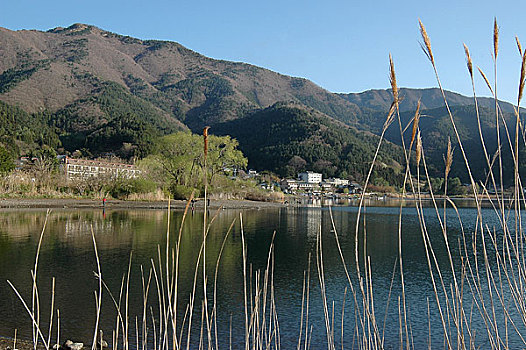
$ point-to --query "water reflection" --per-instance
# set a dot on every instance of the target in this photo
(67, 253)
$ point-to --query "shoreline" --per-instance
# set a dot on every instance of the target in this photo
(68, 203)
(84, 203)
(21, 344)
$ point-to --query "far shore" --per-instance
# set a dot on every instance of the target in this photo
(86, 203)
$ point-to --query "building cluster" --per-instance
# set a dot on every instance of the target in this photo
(306, 182)
(313, 182)
(84, 168)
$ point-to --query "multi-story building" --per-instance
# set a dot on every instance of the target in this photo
(83, 168)
(310, 177)
(289, 184)
(337, 182)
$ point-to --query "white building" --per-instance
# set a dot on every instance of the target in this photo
(337, 182)
(289, 185)
(310, 177)
(293, 185)
(83, 168)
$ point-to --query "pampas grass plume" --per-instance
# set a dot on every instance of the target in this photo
(469, 62)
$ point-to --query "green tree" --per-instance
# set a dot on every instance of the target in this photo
(6, 161)
(454, 187)
(45, 159)
(223, 154)
(437, 184)
(178, 159)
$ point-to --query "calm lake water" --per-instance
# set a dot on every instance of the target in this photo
(67, 253)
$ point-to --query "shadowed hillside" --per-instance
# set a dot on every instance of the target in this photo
(289, 138)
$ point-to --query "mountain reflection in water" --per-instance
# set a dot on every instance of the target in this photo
(67, 254)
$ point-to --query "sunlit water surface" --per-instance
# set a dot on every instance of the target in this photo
(67, 254)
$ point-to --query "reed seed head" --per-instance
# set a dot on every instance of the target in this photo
(426, 47)
(205, 137)
(392, 80)
(469, 62)
(495, 39)
(416, 119)
(522, 78)
(486, 80)
(518, 45)
(449, 157)
(418, 149)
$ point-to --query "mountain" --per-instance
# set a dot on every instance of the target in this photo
(90, 89)
(436, 128)
(63, 67)
(289, 138)
(380, 100)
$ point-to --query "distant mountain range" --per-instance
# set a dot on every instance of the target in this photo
(101, 92)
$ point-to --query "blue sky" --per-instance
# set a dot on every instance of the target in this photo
(342, 46)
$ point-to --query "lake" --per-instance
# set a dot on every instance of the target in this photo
(67, 254)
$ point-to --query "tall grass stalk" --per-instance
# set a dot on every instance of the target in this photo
(98, 297)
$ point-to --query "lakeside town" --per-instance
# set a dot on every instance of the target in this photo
(83, 175)
(75, 169)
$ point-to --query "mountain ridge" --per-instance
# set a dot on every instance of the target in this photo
(430, 98)
(164, 70)
(85, 80)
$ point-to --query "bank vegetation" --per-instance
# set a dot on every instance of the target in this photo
(174, 169)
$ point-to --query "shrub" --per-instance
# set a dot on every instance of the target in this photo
(123, 187)
(6, 161)
(181, 192)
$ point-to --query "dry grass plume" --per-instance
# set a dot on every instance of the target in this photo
(522, 78)
(449, 157)
(469, 62)
(418, 149)
(495, 39)
(392, 80)
(426, 47)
